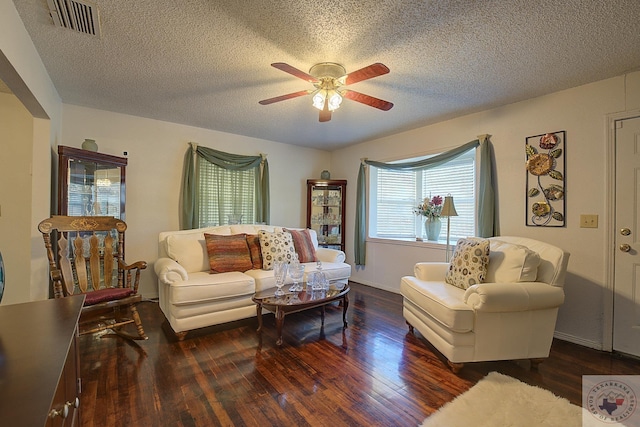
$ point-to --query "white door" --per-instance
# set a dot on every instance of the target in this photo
(626, 303)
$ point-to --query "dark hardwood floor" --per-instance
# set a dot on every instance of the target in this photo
(374, 373)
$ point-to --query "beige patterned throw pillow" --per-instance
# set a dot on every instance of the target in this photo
(276, 246)
(469, 263)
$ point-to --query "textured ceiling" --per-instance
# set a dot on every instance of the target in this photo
(207, 63)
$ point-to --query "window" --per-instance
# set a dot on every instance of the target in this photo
(394, 194)
(225, 193)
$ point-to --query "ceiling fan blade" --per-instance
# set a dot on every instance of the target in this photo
(325, 113)
(373, 70)
(284, 97)
(294, 72)
(380, 104)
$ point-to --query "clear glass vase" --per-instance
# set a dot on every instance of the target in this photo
(296, 272)
(280, 273)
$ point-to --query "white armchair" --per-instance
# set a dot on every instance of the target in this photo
(512, 315)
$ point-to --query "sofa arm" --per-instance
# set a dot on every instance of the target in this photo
(169, 271)
(330, 255)
(431, 271)
(507, 297)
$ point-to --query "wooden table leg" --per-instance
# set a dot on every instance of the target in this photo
(344, 309)
(259, 315)
(279, 324)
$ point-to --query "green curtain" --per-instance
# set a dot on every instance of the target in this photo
(486, 199)
(227, 161)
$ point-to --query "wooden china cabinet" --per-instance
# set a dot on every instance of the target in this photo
(326, 211)
(90, 183)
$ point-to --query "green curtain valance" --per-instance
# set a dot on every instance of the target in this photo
(486, 198)
(236, 162)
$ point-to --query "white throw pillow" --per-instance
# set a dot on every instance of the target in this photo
(189, 252)
(468, 265)
(511, 263)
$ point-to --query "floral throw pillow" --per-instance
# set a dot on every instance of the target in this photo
(469, 263)
(276, 246)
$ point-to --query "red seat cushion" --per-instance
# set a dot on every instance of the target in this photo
(104, 295)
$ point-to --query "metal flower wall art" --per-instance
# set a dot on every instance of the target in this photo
(545, 200)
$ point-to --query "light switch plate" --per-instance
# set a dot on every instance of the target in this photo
(588, 221)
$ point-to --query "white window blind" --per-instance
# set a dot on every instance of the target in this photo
(223, 193)
(394, 194)
(457, 178)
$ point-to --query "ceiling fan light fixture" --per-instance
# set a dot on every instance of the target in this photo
(335, 99)
(318, 99)
(328, 78)
(322, 95)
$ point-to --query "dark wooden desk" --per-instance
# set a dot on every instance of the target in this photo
(39, 368)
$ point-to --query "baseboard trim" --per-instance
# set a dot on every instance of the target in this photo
(577, 340)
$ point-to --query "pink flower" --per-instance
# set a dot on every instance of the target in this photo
(430, 207)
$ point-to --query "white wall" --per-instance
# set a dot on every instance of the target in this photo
(156, 152)
(581, 112)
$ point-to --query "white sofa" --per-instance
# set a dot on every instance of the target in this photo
(512, 319)
(191, 297)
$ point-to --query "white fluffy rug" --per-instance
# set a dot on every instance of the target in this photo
(501, 401)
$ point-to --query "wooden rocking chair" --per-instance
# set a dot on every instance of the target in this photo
(88, 258)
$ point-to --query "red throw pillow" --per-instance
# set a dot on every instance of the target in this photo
(253, 241)
(228, 253)
(303, 244)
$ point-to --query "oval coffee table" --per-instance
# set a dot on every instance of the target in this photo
(293, 302)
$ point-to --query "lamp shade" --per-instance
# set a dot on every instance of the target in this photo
(448, 209)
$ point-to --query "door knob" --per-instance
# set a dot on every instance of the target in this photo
(625, 231)
(625, 248)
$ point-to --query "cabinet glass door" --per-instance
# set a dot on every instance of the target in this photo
(326, 212)
(90, 183)
(94, 189)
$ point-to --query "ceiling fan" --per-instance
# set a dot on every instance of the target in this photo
(328, 79)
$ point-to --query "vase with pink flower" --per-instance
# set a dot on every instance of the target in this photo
(430, 209)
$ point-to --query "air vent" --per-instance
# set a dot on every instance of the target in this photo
(80, 16)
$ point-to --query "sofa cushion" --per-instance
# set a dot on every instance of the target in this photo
(303, 244)
(253, 241)
(510, 263)
(276, 246)
(440, 301)
(190, 251)
(203, 286)
(228, 253)
(469, 263)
